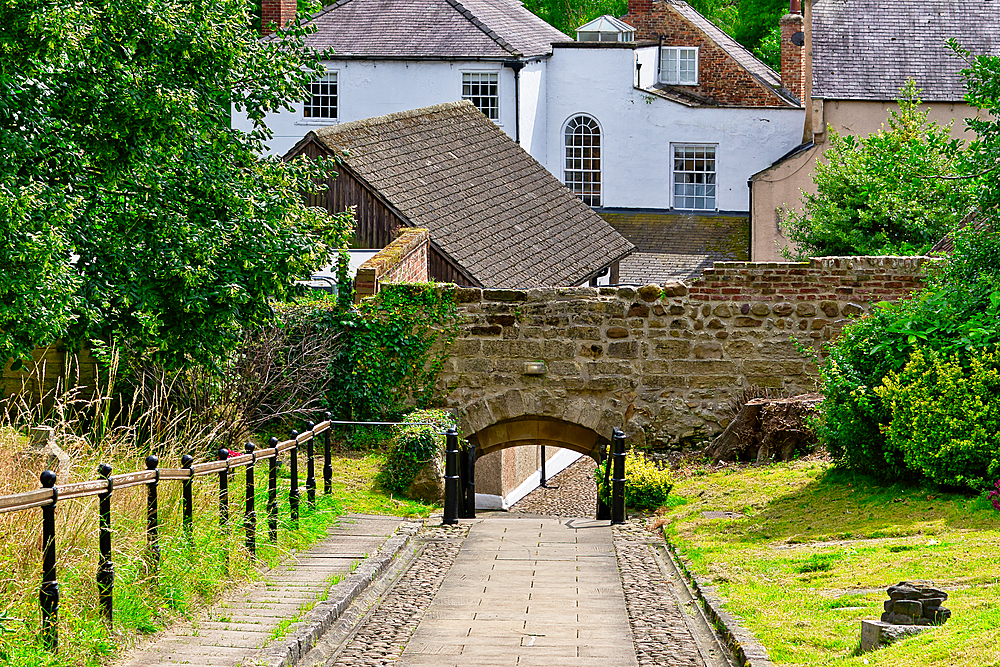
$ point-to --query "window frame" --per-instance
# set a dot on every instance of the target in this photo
(322, 120)
(677, 72)
(600, 162)
(498, 73)
(673, 176)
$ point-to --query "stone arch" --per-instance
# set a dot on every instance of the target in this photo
(579, 423)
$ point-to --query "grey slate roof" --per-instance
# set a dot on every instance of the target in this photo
(735, 50)
(867, 49)
(488, 204)
(642, 268)
(432, 29)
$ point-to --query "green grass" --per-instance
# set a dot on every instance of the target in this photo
(817, 547)
(191, 574)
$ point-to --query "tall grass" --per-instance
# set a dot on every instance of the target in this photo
(120, 428)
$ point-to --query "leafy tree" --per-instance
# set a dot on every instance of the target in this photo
(568, 15)
(130, 210)
(756, 21)
(893, 192)
(982, 79)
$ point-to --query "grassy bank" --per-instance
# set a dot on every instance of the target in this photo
(191, 573)
(816, 548)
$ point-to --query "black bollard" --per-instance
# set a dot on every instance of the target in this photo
(293, 493)
(48, 594)
(152, 513)
(470, 486)
(310, 470)
(603, 508)
(106, 568)
(272, 494)
(618, 481)
(543, 482)
(451, 477)
(250, 512)
(327, 464)
(187, 493)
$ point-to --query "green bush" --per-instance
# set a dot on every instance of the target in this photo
(646, 484)
(946, 417)
(412, 446)
(958, 314)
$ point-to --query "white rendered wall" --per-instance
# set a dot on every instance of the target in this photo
(638, 129)
(533, 110)
(369, 88)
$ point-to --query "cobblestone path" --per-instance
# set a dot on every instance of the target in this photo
(571, 492)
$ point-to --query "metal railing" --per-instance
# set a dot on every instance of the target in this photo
(226, 462)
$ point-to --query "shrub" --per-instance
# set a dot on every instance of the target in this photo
(994, 496)
(412, 446)
(945, 417)
(646, 484)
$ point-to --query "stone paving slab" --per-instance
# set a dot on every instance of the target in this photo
(241, 626)
(517, 595)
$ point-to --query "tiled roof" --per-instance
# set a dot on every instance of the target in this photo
(676, 246)
(432, 29)
(867, 49)
(735, 50)
(488, 204)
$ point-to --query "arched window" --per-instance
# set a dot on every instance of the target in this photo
(583, 159)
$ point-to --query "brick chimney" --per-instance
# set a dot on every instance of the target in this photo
(793, 52)
(640, 16)
(279, 12)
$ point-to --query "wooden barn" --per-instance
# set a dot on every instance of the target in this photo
(497, 217)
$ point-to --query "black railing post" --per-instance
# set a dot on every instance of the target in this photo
(293, 493)
(451, 478)
(543, 482)
(223, 455)
(310, 469)
(618, 481)
(187, 493)
(272, 494)
(470, 485)
(603, 508)
(463, 483)
(250, 512)
(327, 464)
(106, 568)
(48, 594)
(152, 512)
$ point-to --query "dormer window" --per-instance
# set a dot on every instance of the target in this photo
(679, 65)
(605, 29)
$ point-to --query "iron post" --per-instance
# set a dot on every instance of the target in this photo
(250, 511)
(272, 494)
(327, 464)
(310, 469)
(187, 493)
(543, 482)
(293, 493)
(106, 568)
(152, 512)
(48, 594)
(223, 455)
(451, 477)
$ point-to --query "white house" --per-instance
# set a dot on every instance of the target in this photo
(659, 115)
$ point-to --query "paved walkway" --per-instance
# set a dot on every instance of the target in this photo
(228, 634)
(528, 591)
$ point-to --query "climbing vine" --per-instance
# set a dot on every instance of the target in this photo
(391, 348)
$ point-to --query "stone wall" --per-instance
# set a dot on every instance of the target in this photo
(664, 362)
(405, 260)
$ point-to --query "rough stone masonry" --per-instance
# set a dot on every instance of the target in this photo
(661, 361)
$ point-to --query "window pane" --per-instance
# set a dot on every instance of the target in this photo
(322, 99)
(483, 89)
(694, 177)
(583, 159)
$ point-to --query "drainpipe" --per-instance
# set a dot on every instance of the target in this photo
(750, 223)
(516, 66)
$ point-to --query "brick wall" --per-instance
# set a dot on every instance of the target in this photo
(720, 78)
(405, 260)
(661, 361)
